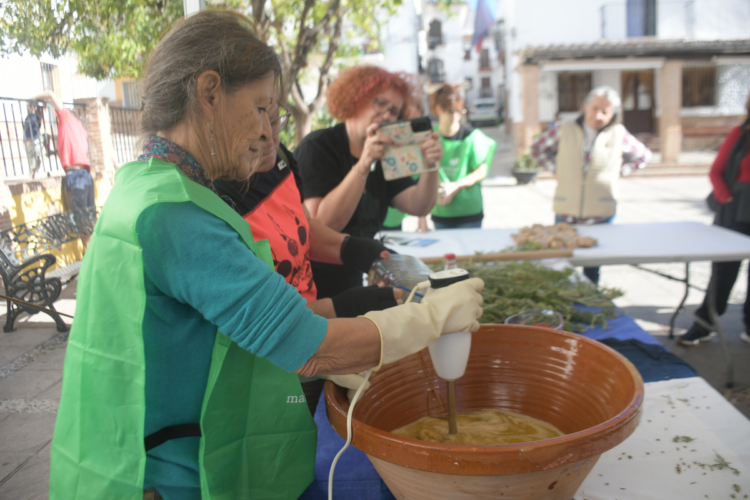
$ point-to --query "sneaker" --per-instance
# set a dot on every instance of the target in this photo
(744, 336)
(695, 336)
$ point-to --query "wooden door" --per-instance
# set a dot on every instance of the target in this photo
(638, 101)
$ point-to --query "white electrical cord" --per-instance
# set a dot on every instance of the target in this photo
(348, 433)
(360, 389)
(424, 284)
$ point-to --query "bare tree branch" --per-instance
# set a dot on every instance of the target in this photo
(308, 37)
(285, 54)
(301, 107)
(260, 19)
(323, 80)
(333, 9)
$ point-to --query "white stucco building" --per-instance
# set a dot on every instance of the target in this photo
(26, 76)
(422, 39)
(682, 67)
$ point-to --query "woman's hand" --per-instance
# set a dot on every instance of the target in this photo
(372, 150)
(432, 149)
(359, 252)
(448, 191)
(422, 225)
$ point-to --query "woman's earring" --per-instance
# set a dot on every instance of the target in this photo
(211, 130)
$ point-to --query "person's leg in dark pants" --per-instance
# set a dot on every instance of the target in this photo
(65, 201)
(313, 390)
(592, 273)
(79, 196)
(725, 274)
(457, 225)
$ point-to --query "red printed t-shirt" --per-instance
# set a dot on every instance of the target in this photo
(72, 140)
(272, 205)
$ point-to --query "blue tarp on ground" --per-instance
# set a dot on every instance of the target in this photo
(355, 476)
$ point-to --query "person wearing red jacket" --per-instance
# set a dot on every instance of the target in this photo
(77, 188)
(730, 173)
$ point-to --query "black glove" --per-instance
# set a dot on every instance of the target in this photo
(362, 299)
(360, 253)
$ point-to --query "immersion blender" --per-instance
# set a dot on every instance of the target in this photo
(450, 353)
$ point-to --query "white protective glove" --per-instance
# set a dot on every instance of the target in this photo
(352, 381)
(349, 382)
(409, 328)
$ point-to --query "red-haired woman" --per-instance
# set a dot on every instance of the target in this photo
(343, 181)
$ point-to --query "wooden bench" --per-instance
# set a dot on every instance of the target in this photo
(25, 259)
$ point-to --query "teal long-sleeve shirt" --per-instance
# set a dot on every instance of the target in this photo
(199, 275)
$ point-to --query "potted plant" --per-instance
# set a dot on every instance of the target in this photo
(525, 169)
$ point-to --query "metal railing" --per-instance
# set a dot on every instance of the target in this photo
(125, 126)
(28, 137)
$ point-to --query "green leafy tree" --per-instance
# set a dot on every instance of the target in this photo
(113, 38)
(311, 37)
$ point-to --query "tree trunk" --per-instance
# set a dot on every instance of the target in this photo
(302, 125)
(304, 113)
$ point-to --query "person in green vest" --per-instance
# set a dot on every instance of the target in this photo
(181, 372)
(467, 156)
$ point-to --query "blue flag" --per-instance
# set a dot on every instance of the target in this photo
(482, 23)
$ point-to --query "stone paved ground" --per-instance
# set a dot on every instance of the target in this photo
(31, 357)
(31, 361)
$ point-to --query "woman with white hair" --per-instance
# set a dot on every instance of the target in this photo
(588, 155)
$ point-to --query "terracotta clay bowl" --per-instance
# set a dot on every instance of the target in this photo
(584, 388)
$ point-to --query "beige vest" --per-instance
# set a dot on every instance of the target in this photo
(594, 195)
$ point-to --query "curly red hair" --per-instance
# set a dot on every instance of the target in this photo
(355, 88)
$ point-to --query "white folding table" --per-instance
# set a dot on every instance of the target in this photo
(633, 244)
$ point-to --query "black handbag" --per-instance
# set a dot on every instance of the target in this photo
(712, 202)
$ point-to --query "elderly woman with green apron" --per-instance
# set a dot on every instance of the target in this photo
(180, 376)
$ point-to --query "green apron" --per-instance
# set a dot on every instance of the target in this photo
(255, 442)
(460, 158)
(395, 217)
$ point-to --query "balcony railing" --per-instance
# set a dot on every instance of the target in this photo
(125, 132)
(28, 144)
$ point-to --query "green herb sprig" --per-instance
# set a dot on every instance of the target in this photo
(512, 287)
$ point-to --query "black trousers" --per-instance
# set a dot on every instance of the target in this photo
(725, 273)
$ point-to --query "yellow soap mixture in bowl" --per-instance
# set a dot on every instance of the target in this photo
(484, 427)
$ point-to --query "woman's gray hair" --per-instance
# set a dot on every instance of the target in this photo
(221, 41)
(608, 93)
